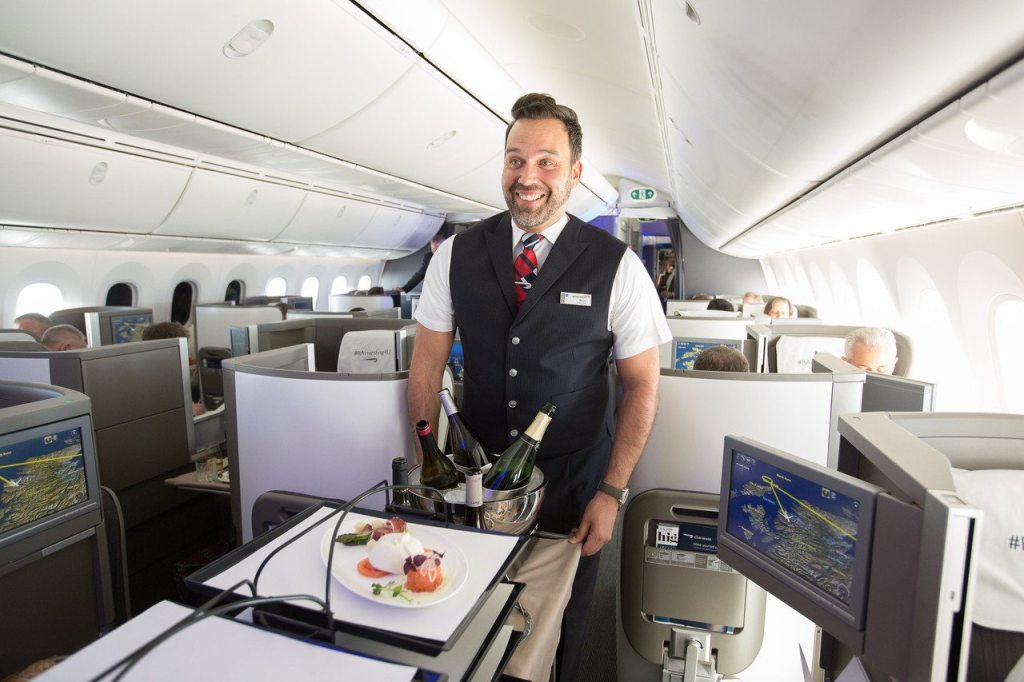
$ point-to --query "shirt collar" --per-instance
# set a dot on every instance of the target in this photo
(549, 233)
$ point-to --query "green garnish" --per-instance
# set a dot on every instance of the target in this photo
(353, 538)
(396, 589)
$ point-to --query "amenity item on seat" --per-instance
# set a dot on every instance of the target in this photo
(372, 351)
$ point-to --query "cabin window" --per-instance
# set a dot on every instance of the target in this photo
(277, 287)
(339, 285)
(39, 298)
(364, 283)
(311, 288)
(1008, 330)
(181, 302)
(234, 292)
(121, 294)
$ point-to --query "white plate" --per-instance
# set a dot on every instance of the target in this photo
(454, 570)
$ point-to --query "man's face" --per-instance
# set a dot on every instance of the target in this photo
(779, 309)
(871, 358)
(538, 175)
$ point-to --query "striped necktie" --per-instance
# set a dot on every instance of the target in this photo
(525, 268)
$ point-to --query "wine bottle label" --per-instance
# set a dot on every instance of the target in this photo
(474, 490)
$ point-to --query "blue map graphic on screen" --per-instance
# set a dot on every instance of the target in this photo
(808, 529)
(686, 351)
(129, 327)
(41, 476)
(455, 360)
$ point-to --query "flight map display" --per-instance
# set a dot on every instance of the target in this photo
(686, 351)
(808, 529)
(129, 327)
(41, 476)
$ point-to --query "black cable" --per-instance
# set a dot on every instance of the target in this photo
(343, 510)
(346, 508)
(210, 602)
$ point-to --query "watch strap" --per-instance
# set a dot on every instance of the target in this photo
(619, 494)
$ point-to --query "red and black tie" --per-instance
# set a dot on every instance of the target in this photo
(525, 268)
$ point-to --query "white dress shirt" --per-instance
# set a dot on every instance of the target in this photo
(635, 317)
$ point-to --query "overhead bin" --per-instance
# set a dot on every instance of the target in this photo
(296, 83)
(436, 132)
(392, 227)
(226, 206)
(53, 183)
(327, 219)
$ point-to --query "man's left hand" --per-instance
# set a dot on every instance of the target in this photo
(596, 527)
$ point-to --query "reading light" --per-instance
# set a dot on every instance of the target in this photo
(441, 140)
(99, 172)
(245, 42)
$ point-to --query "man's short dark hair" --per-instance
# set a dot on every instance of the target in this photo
(721, 359)
(721, 304)
(164, 330)
(537, 106)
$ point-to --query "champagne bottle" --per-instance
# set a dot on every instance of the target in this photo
(474, 499)
(437, 471)
(466, 449)
(515, 466)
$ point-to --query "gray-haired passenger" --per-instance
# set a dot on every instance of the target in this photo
(63, 337)
(872, 349)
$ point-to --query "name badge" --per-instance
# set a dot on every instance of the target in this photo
(568, 298)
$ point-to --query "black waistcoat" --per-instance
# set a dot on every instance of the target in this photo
(550, 350)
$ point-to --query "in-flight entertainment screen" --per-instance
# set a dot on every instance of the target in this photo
(127, 328)
(40, 476)
(808, 528)
(687, 350)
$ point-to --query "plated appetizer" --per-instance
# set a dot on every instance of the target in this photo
(393, 552)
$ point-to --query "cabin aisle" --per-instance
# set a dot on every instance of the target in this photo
(599, 662)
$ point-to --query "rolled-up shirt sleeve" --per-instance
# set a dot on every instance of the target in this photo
(635, 317)
(435, 310)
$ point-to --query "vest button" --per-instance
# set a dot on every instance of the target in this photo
(512, 372)
(512, 403)
(515, 340)
(514, 432)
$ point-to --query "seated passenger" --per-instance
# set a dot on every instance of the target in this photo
(721, 304)
(721, 359)
(701, 297)
(63, 337)
(751, 297)
(779, 307)
(174, 330)
(872, 349)
(33, 323)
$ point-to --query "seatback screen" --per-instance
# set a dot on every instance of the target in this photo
(807, 528)
(41, 475)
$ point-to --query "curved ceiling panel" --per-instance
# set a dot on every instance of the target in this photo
(321, 62)
(326, 219)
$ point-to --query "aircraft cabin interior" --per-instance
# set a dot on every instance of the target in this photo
(224, 229)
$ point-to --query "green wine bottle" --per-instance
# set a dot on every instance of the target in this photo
(437, 470)
(515, 466)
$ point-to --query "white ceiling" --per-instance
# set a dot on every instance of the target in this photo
(746, 120)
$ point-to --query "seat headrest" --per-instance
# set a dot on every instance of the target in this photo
(370, 351)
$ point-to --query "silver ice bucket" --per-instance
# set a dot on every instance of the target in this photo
(514, 513)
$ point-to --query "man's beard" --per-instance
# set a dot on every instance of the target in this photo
(553, 203)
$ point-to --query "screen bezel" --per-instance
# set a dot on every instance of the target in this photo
(92, 485)
(813, 602)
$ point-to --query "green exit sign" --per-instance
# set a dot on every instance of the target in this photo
(642, 194)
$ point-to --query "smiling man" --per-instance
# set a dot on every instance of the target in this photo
(542, 301)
